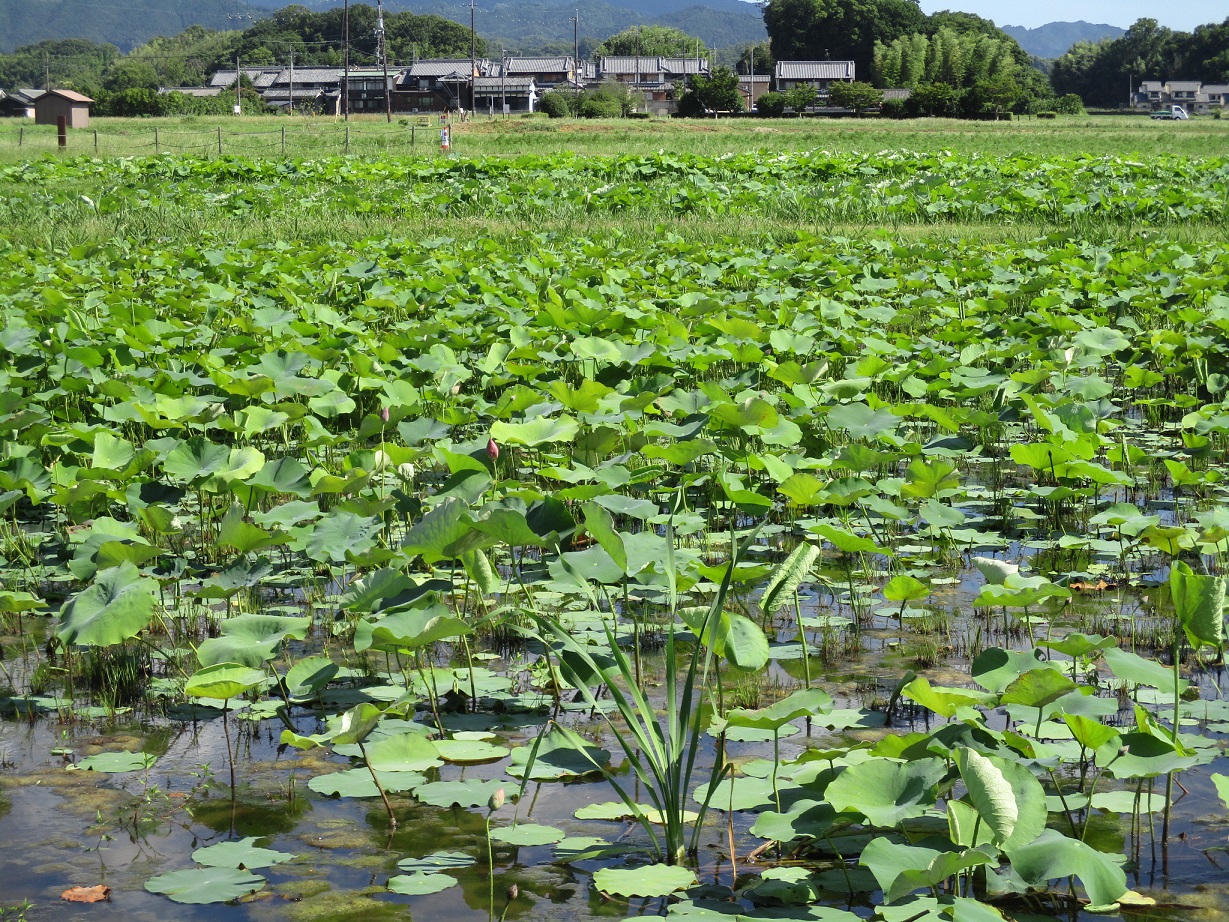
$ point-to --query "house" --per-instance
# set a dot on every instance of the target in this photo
(366, 89)
(20, 103)
(437, 84)
(1216, 97)
(1182, 92)
(310, 89)
(261, 77)
(751, 87)
(505, 94)
(546, 72)
(817, 74)
(53, 105)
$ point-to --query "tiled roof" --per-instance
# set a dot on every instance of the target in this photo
(444, 67)
(1183, 86)
(629, 64)
(685, 65)
(539, 65)
(255, 74)
(815, 70)
(309, 75)
(201, 91)
(489, 86)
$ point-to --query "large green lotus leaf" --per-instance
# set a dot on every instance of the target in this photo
(437, 861)
(205, 885)
(1125, 803)
(442, 533)
(540, 430)
(222, 681)
(1131, 667)
(117, 762)
(806, 702)
(995, 668)
(243, 574)
(994, 570)
(354, 725)
(413, 628)
(308, 676)
(470, 751)
(111, 453)
(1019, 592)
(510, 526)
(1009, 800)
(119, 605)
(527, 834)
(475, 792)
(648, 881)
(243, 853)
(356, 782)
(738, 793)
(283, 475)
(338, 534)
(789, 575)
(420, 884)
(1222, 787)
(862, 422)
(886, 791)
(1037, 688)
(244, 537)
(803, 489)
(722, 911)
(735, 637)
(1053, 855)
(753, 415)
(196, 460)
(901, 869)
(1077, 645)
(1199, 602)
(589, 848)
(1146, 756)
(251, 639)
(405, 752)
(905, 588)
(804, 819)
(846, 541)
(944, 701)
(557, 759)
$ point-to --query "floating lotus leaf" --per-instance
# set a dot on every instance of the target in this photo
(557, 759)
(469, 751)
(242, 853)
(437, 861)
(205, 885)
(222, 681)
(527, 834)
(650, 880)
(420, 884)
(356, 782)
(117, 762)
(472, 793)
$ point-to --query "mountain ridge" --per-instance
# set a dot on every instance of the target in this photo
(1054, 39)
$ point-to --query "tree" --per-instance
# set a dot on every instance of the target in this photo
(717, 92)
(838, 29)
(653, 41)
(994, 94)
(772, 105)
(799, 97)
(935, 99)
(764, 62)
(855, 95)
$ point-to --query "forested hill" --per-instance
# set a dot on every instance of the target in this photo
(522, 26)
(1056, 38)
(125, 23)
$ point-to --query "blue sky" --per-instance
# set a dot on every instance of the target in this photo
(1122, 13)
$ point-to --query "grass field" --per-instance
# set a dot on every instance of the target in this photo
(304, 137)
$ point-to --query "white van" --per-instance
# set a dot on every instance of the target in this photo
(1173, 112)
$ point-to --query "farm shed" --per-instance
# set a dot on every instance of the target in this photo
(54, 103)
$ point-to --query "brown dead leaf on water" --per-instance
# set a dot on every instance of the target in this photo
(87, 894)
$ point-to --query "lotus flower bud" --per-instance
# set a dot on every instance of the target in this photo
(492, 450)
(513, 892)
(384, 413)
(497, 800)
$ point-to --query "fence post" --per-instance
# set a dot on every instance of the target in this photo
(61, 131)
(412, 141)
(283, 140)
(347, 137)
(21, 136)
(219, 140)
(95, 140)
(156, 146)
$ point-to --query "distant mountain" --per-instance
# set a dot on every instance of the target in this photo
(126, 25)
(1054, 39)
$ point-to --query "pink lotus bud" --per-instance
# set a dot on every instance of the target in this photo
(492, 450)
(496, 801)
(384, 413)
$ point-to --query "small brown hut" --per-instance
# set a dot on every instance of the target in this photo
(54, 103)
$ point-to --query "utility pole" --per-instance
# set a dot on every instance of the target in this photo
(238, 98)
(576, 47)
(383, 49)
(345, 57)
(292, 79)
(473, 60)
(503, 82)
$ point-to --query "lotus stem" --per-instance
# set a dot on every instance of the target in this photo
(392, 820)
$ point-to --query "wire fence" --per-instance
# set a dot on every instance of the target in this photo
(414, 135)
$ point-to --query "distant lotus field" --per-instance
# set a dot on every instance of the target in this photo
(849, 576)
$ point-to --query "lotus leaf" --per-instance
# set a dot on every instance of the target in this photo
(205, 885)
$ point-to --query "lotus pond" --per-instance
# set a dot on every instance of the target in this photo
(831, 578)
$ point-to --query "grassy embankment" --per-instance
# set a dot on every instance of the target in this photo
(70, 214)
